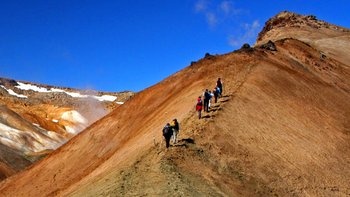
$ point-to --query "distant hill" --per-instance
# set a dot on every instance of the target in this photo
(36, 119)
(282, 127)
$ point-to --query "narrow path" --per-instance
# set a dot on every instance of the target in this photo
(164, 172)
(157, 173)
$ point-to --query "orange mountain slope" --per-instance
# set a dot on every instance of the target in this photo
(35, 119)
(281, 128)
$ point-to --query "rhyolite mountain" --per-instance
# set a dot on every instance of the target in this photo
(36, 119)
(282, 127)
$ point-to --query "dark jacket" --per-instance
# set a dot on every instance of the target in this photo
(167, 131)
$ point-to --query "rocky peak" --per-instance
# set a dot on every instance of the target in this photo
(6, 82)
(290, 19)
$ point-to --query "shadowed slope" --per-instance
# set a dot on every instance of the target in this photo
(11, 161)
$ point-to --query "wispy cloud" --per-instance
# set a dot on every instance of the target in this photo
(201, 6)
(250, 32)
(216, 12)
(204, 7)
(211, 19)
(224, 16)
(228, 8)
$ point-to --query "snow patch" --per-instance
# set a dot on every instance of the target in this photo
(54, 120)
(76, 95)
(56, 90)
(11, 92)
(24, 86)
(105, 98)
(119, 103)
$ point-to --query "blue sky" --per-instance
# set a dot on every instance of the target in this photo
(131, 45)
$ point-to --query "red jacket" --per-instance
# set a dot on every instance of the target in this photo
(199, 105)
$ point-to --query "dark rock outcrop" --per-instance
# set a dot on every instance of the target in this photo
(246, 48)
(209, 56)
(8, 82)
(269, 46)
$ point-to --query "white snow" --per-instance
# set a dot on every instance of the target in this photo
(11, 92)
(119, 103)
(24, 86)
(54, 120)
(105, 98)
(76, 95)
(56, 90)
(15, 94)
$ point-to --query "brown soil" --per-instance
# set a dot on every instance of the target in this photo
(11, 161)
(281, 129)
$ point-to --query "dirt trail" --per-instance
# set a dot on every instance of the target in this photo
(178, 171)
(243, 149)
(160, 171)
(282, 129)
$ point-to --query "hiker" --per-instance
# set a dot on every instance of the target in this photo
(167, 133)
(206, 100)
(175, 127)
(219, 85)
(215, 92)
(211, 96)
(199, 107)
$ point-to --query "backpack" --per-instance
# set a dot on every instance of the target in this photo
(176, 126)
(219, 84)
(215, 92)
(199, 105)
(218, 89)
(166, 130)
(206, 95)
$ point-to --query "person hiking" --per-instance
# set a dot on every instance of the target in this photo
(199, 107)
(215, 92)
(219, 85)
(167, 133)
(206, 100)
(211, 96)
(175, 127)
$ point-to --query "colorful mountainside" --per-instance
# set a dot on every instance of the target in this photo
(37, 119)
(281, 128)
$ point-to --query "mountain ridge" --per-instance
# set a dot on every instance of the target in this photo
(281, 128)
(36, 119)
(291, 19)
